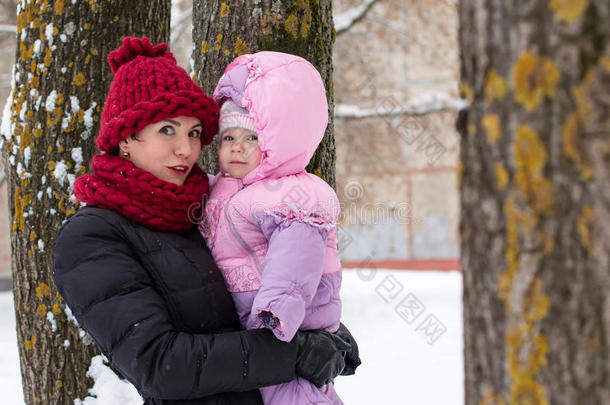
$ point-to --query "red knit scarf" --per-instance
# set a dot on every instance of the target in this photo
(140, 196)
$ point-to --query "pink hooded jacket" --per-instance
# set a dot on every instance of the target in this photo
(273, 233)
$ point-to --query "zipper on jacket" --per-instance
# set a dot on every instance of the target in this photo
(236, 234)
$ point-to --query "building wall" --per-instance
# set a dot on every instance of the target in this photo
(397, 175)
(398, 193)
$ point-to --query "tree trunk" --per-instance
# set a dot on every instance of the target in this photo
(535, 202)
(61, 76)
(225, 30)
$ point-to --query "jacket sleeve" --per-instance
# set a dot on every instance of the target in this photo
(292, 271)
(113, 299)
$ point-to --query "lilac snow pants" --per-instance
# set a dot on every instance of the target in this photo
(298, 391)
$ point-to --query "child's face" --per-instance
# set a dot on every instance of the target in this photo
(239, 153)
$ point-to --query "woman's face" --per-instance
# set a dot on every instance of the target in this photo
(168, 148)
(239, 153)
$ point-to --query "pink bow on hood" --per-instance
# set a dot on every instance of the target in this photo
(285, 95)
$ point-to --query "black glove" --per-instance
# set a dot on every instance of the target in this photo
(320, 356)
(352, 357)
(268, 320)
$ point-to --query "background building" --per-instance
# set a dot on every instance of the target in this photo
(396, 85)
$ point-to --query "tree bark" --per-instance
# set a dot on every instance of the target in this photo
(535, 202)
(224, 30)
(61, 76)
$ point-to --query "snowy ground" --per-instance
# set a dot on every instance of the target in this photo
(408, 325)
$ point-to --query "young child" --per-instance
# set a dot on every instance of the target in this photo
(270, 225)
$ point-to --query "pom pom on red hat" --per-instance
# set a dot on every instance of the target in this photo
(134, 47)
(148, 87)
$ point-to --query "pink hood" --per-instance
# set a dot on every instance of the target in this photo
(285, 95)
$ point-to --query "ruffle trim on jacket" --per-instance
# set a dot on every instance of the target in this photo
(285, 215)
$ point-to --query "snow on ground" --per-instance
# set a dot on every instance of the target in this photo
(408, 325)
(10, 376)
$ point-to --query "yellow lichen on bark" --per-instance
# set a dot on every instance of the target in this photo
(318, 172)
(48, 57)
(205, 47)
(26, 53)
(583, 224)
(62, 206)
(530, 158)
(529, 151)
(240, 47)
(95, 7)
(490, 398)
(43, 290)
(501, 176)
(525, 346)
(54, 116)
(224, 10)
(299, 21)
(568, 10)
(491, 124)
(569, 134)
(527, 391)
(41, 310)
(20, 201)
(29, 344)
(536, 304)
(58, 7)
(218, 42)
(534, 77)
(466, 92)
(495, 86)
(79, 79)
(292, 25)
(526, 349)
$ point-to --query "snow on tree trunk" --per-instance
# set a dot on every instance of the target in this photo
(535, 207)
(225, 30)
(61, 76)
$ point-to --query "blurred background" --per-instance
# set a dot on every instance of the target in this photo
(396, 85)
(396, 75)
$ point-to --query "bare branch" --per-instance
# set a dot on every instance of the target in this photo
(8, 28)
(345, 20)
(426, 104)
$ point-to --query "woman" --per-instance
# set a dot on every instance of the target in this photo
(135, 271)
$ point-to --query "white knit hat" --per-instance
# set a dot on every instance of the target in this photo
(234, 116)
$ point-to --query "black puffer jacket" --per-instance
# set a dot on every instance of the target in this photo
(157, 306)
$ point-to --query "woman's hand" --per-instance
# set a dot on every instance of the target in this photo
(320, 356)
(352, 357)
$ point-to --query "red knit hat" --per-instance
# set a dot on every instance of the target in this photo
(148, 87)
